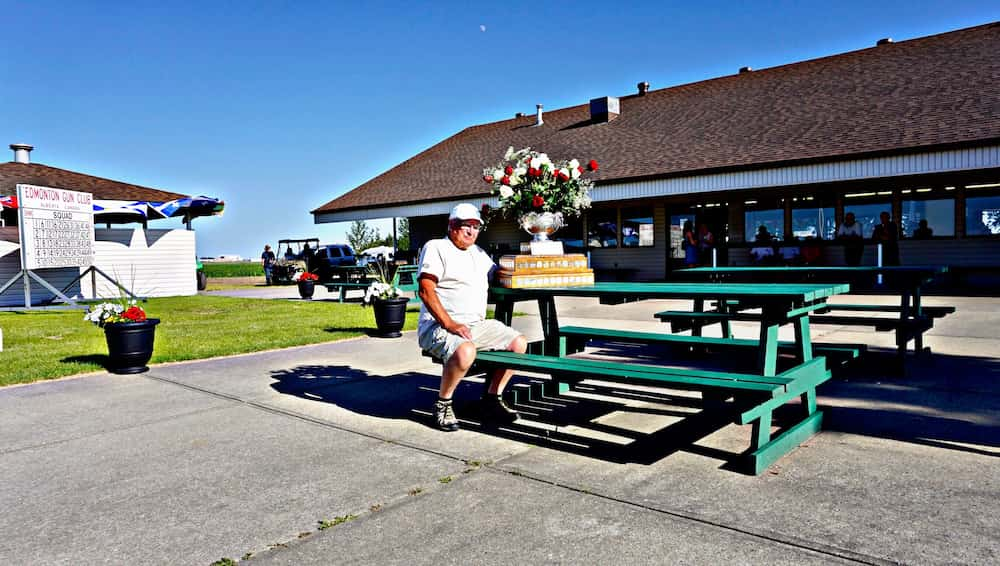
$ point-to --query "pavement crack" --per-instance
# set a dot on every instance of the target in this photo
(785, 540)
(109, 431)
(327, 527)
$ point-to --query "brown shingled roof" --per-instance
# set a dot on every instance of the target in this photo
(105, 189)
(936, 91)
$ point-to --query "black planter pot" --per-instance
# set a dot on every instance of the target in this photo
(390, 315)
(130, 345)
(306, 289)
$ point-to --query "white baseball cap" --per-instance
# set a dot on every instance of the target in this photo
(465, 211)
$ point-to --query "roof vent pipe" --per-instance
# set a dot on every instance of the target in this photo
(884, 41)
(745, 69)
(643, 88)
(519, 114)
(21, 151)
(538, 115)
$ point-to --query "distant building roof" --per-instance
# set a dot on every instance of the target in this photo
(933, 92)
(13, 173)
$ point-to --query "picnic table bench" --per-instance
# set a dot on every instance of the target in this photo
(576, 338)
(342, 287)
(408, 280)
(910, 322)
(758, 393)
(348, 278)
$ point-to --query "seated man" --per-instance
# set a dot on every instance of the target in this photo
(454, 280)
(763, 252)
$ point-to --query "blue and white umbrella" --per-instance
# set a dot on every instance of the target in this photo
(120, 211)
(190, 207)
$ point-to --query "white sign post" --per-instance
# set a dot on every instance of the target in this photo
(56, 228)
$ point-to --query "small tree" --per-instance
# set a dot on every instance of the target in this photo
(360, 236)
(403, 234)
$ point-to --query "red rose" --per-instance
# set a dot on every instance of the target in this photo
(508, 170)
(538, 201)
(580, 168)
(488, 178)
(506, 179)
(135, 314)
(592, 166)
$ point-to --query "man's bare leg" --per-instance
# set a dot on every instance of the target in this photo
(500, 377)
(456, 368)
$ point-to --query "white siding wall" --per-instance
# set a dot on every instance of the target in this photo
(162, 261)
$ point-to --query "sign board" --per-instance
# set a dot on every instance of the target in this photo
(56, 227)
(676, 242)
(646, 234)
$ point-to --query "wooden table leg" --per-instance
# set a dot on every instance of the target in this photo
(767, 354)
(550, 324)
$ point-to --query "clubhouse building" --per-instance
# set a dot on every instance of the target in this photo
(909, 127)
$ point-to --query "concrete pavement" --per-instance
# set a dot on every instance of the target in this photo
(323, 455)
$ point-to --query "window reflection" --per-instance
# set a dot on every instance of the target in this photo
(867, 214)
(939, 214)
(773, 220)
(982, 216)
(637, 228)
(602, 229)
(814, 223)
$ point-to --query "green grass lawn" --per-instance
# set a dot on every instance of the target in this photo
(48, 344)
(233, 269)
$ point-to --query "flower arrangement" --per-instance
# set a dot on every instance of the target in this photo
(103, 314)
(307, 276)
(529, 182)
(384, 282)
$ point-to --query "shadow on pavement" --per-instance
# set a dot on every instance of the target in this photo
(613, 422)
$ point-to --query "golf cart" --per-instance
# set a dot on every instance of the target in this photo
(293, 257)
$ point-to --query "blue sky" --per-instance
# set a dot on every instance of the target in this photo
(278, 107)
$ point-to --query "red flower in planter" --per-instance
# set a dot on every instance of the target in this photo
(538, 201)
(134, 314)
(488, 178)
(592, 166)
(308, 277)
(508, 170)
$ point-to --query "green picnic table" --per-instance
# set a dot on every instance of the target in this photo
(758, 392)
(906, 281)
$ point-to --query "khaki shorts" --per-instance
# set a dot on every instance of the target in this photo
(486, 335)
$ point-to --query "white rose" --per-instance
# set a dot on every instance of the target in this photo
(564, 171)
(536, 162)
(521, 171)
(574, 173)
(573, 164)
(506, 192)
(498, 174)
(509, 153)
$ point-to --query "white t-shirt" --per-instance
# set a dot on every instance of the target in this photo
(852, 230)
(463, 280)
